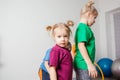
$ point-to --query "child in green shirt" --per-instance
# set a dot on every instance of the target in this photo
(85, 44)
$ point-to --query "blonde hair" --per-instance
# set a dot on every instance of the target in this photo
(61, 25)
(89, 8)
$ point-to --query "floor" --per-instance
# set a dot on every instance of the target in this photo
(105, 79)
(110, 78)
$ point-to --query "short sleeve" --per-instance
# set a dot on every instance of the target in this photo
(47, 56)
(82, 35)
(54, 58)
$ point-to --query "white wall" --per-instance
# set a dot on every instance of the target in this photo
(104, 7)
(24, 39)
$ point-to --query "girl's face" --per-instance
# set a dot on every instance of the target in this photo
(61, 37)
(91, 20)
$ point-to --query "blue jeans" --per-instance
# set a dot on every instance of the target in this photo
(82, 74)
(43, 75)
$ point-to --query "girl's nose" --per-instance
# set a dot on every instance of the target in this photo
(63, 38)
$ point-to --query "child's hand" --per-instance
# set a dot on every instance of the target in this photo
(92, 71)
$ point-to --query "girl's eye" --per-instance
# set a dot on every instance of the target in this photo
(58, 36)
(66, 36)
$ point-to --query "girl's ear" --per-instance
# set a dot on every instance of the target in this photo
(88, 13)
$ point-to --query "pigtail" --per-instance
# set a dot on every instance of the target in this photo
(70, 23)
(90, 3)
(49, 28)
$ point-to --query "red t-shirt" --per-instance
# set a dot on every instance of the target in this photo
(61, 59)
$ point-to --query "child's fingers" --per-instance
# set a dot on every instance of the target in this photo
(93, 74)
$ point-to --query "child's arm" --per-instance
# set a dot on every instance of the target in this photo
(47, 57)
(91, 67)
(47, 66)
(53, 74)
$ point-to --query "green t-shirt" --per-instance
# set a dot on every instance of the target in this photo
(84, 34)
